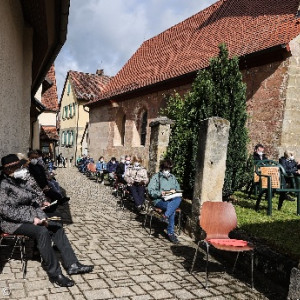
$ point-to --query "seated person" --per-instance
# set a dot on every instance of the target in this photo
(289, 163)
(258, 153)
(136, 177)
(121, 168)
(160, 184)
(39, 174)
(101, 167)
(112, 167)
(21, 212)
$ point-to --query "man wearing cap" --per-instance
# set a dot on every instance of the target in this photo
(21, 212)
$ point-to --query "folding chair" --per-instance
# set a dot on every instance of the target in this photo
(18, 242)
(217, 219)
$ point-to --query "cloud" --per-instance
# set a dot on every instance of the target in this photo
(104, 34)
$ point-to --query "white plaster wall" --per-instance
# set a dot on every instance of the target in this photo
(15, 78)
(47, 118)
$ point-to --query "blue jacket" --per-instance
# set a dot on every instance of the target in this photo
(100, 166)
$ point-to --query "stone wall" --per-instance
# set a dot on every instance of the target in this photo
(103, 129)
(15, 79)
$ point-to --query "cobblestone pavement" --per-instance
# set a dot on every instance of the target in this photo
(129, 264)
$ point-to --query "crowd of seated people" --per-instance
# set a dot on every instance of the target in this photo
(24, 209)
(129, 175)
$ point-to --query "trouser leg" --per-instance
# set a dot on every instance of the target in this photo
(170, 213)
(62, 242)
(43, 239)
(141, 194)
(134, 193)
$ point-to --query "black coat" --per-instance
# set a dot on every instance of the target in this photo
(257, 157)
(290, 166)
(38, 173)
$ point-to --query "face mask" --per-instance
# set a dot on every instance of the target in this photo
(33, 161)
(40, 158)
(101, 160)
(127, 162)
(260, 153)
(113, 162)
(292, 157)
(166, 173)
(20, 174)
(136, 164)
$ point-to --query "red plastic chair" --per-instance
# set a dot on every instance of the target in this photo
(217, 219)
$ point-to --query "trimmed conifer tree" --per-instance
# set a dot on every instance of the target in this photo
(217, 91)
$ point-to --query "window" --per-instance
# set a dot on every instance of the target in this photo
(72, 138)
(65, 138)
(144, 128)
(69, 89)
(119, 129)
(70, 113)
(74, 108)
(62, 138)
(66, 111)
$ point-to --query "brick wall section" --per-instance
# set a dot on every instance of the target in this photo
(266, 105)
(266, 89)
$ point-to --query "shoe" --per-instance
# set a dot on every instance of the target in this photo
(289, 198)
(164, 219)
(173, 238)
(62, 281)
(78, 268)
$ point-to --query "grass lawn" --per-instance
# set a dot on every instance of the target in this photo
(281, 231)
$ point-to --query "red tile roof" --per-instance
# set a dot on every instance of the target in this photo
(49, 97)
(49, 132)
(246, 26)
(87, 86)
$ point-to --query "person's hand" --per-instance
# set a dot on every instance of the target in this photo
(45, 204)
(37, 221)
(46, 188)
(163, 193)
(172, 191)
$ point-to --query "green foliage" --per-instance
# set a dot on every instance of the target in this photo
(217, 91)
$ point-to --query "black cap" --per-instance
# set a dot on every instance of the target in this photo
(11, 160)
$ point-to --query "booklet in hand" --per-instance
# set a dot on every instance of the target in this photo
(172, 196)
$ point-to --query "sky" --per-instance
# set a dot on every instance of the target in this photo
(104, 34)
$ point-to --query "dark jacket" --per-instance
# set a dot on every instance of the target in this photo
(19, 203)
(111, 168)
(39, 174)
(120, 170)
(290, 165)
(257, 157)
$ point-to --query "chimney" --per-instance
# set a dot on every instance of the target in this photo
(100, 72)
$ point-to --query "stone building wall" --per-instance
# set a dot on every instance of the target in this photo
(272, 105)
(15, 79)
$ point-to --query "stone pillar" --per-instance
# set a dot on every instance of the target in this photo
(210, 164)
(159, 141)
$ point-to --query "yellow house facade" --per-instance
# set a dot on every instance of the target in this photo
(79, 88)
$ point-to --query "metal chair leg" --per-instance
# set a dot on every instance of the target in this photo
(252, 267)
(150, 224)
(179, 223)
(237, 256)
(195, 256)
(206, 267)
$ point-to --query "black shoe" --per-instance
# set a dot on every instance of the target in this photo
(164, 219)
(62, 281)
(173, 238)
(289, 198)
(78, 268)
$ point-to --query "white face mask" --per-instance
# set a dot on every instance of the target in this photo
(136, 164)
(33, 161)
(101, 160)
(260, 153)
(20, 174)
(40, 158)
(127, 162)
(166, 173)
(292, 157)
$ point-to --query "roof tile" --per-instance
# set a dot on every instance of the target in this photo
(245, 26)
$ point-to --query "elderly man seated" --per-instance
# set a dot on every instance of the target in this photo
(21, 212)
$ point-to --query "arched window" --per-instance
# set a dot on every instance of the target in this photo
(123, 130)
(143, 131)
(119, 129)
